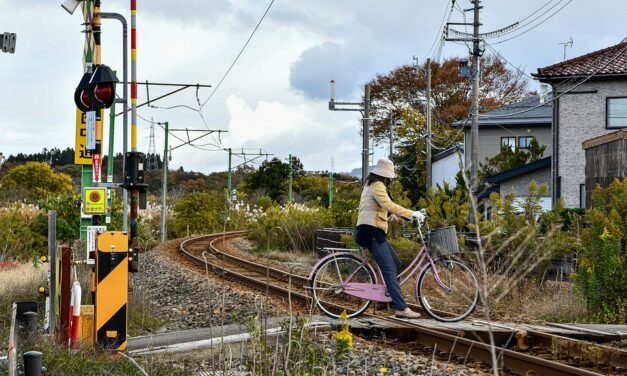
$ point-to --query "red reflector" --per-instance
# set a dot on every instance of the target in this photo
(103, 92)
(85, 99)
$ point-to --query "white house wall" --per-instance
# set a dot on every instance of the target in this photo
(445, 169)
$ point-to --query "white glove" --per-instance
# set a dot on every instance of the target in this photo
(420, 215)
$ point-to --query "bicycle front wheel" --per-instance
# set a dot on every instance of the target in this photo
(457, 295)
(328, 285)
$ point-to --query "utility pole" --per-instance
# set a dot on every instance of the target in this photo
(331, 181)
(428, 139)
(365, 165)
(110, 158)
(289, 180)
(229, 188)
(474, 127)
(391, 120)
(364, 108)
(166, 157)
(164, 183)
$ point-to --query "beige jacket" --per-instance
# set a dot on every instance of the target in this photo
(375, 205)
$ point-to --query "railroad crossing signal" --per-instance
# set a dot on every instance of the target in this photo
(96, 90)
(8, 42)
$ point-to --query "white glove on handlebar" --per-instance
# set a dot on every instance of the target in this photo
(420, 216)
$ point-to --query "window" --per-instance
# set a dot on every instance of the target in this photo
(508, 141)
(524, 142)
(616, 112)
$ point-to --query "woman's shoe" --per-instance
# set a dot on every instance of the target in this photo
(407, 314)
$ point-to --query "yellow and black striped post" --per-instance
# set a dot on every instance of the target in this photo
(111, 291)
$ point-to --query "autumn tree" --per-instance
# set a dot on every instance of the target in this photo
(34, 181)
(403, 92)
(405, 87)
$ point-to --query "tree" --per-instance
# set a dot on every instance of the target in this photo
(272, 177)
(403, 87)
(509, 158)
(203, 212)
(401, 92)
(35, 181)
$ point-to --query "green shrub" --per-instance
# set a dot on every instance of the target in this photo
(602, 268)
(16, 239)
(291, 227)
(203, 212)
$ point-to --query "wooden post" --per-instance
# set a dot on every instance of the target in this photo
(66, 293)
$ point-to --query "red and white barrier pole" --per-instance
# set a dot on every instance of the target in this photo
(75, 310)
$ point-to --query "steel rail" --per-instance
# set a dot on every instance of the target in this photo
(516, 362)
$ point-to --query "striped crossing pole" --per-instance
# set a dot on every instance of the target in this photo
(133, 75)
(111, 291)
(135, 161)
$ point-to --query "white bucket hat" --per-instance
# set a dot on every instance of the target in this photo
(385, 168)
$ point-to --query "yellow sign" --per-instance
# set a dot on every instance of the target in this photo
(81, 154)
(95, 201)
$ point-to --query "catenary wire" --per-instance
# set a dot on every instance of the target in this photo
(238, 55)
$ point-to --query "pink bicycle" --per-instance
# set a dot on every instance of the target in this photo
(446, 288)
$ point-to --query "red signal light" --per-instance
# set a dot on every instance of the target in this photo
(85, 101)
(103, 92)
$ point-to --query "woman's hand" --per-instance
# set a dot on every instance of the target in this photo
(420, 216)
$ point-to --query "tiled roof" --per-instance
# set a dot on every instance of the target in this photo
(608, 61)
(527, 112)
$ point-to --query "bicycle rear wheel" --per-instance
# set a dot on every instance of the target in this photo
(453, 303)
(327, 285)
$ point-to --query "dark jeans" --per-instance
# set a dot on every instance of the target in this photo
(384, 255)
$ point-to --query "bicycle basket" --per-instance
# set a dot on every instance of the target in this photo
(443, 241)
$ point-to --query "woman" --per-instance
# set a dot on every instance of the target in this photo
(375, 207)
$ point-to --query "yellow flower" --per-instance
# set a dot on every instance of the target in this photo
(345, 336)
(606, 234)
(383, 370)
(343, 316)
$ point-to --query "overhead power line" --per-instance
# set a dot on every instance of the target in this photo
(238, 55)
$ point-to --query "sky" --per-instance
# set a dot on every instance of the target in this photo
(276, 96)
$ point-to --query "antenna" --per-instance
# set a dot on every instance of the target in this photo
(567, 44)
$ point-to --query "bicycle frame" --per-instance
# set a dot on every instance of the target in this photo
(376, 291)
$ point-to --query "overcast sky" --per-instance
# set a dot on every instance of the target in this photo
(275, 98)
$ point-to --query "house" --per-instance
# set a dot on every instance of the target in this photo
(514, 125)
(445, 166)
(589, 100)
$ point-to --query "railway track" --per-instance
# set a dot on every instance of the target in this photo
(546, 355)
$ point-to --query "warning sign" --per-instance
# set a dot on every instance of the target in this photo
(95, 201)
(81, 154)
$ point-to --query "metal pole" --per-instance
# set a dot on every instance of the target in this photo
(134, 192)
(474, 128)
(428, 140)
(289, 180)
(52, 264)
(164, 186)
(366, 136)
(330, 188)
(228, 176)
(110, 160)
(124, 100)
(391, 135)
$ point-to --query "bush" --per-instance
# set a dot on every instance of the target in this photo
(602, 268)
(16, 239)
(203, 212)
(293, 227)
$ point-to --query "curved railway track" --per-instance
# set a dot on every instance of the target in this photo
(204, 252)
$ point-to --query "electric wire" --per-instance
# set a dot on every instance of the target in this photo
(536, 25)
(438, 38)
(573, 87)
(241, 51)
